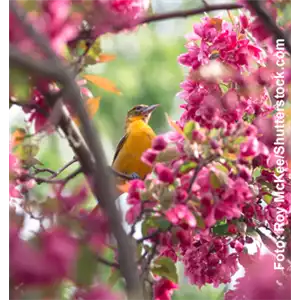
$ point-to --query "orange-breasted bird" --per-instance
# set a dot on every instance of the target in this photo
(137, 139)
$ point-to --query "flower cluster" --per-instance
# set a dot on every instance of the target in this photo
(261, 285)
(18, 181)
(203, 174)
(115, 15)
(54, 19)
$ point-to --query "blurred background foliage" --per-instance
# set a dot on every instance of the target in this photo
(145, 71)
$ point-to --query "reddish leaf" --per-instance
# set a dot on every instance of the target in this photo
(103, 83)
(174, 125)
(217, 23)
(106, 57)
(92, 106)
(18, 136)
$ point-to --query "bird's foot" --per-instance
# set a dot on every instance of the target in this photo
(135, 176)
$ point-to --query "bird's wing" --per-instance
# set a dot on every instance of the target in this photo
(119, 147)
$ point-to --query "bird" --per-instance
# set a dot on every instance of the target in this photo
(136, 140)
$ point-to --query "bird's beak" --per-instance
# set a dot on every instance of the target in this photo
(150, 109)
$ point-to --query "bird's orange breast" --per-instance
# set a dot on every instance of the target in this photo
(139, 139)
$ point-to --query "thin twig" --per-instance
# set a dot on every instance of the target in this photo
(269, 22)
(43, 170)
(187, 13)
(40, 180)
(154, 234)
(64, 167)
(29, 106)
(108, 263)
(148, 259)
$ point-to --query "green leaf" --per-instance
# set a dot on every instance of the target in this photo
(239, 140)
(139, 250)
(29, 5)
(200, 221)
(214, 133)
(20, 84)
(256, 173)
(95, 50)
(66, 290)
(188, 129)
(147, 224)
(267, 198)
(163, 223)
(229, 155)
(248, 118)
(187, 166)
(165, 267)
(217, 180)
(223, 87)
(221, 229)
(222, 168)
(267, 185)
(33, 162)
(26, 151)
(114, 277)
(86, 266)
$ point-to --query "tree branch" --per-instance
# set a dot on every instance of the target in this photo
(93, 164)
(51, 179)
(108, 263)
(37, 66)
(67, 165)
(270, 23)
(187, 13)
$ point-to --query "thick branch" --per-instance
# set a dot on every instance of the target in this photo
(102, 183)
(36, 66)
(187, 13)
(269, 22)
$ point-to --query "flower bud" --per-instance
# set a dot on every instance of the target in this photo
(159, 143)
(164, 174)
(149, 156)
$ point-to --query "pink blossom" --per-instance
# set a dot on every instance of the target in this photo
(168, 252)
(91, 222)
(115, 15)
(54, 21)
(163, 289)
(149, 156)
(164, 173)
(250, 148)
(53, 258)
(262, 282)
(181, 213)
(70, 201)
(159, 143)
(209, 261)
